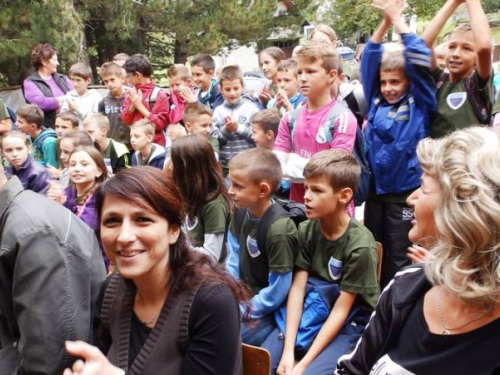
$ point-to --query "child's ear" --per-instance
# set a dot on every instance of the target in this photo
(346, 195)
(151, 137)
(211, 72)
(270, 135)
(188, 127)
(89, 81)
(265, 189)
(332, 75)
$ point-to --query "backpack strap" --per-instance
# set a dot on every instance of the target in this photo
(154, 95)
(292, 120)
(335, 112)
(272, 214)
(239, 218)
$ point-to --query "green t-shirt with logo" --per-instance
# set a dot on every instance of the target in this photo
(454, 108)
(350, 260)
(211, 218)
(278, 256)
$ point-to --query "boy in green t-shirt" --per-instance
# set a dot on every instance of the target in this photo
(465, 92)
(267, 267)
(335, 284)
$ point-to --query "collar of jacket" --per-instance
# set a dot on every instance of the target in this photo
(8, 192)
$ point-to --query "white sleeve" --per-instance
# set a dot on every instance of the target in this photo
(212, 246)
(293, 166)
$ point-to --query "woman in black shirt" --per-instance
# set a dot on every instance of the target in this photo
(167, 310)
(443, 316)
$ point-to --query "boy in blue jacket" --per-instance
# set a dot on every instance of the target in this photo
(146, 152)
(401, 92)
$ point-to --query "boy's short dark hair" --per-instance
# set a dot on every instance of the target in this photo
(193, 110)
(32, 114)
(267, 120)
(288, 65)
(260, 165)
(81, 70)
(179, 70)
(315, 50)
(111, 69)
(69, 116)
(231, 73)
(206, 62)
(339, 166)
(138, 64)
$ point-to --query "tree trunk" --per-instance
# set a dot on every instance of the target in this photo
(180, 54)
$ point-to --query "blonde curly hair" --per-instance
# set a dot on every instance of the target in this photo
(467, 218)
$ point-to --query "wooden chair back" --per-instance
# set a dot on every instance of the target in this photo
(256, 361)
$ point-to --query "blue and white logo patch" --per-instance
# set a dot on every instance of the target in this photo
(456, 100)
(321, 135)
(252, 247)
(335, 268)
(191, 223)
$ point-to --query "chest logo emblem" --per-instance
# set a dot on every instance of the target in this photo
(335, 268)
(456, 100)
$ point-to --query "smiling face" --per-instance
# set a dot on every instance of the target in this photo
(201, 79)
(314, 79)
(424, 202)
(232, 90)
(393, 85)
(268, 65)
(15, 150)
(320, 198)
(83, 170)
(136, 238)
(461, 56)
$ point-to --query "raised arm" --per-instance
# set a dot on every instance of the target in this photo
(436, 25)
(482, 37)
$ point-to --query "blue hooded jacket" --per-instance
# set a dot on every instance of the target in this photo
(394, 130)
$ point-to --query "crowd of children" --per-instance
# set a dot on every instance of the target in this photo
(239, 160)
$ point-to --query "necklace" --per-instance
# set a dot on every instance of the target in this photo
(446, 327)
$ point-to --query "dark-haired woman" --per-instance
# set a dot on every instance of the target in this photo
(167, 310)
(199, 178)
(45, 87)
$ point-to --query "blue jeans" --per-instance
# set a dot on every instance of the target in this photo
(256, 331)
(326, 362)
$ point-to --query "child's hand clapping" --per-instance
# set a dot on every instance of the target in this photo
(392, 9)
(135, 96)
(283, 101)
(230, 125)
(56, 192)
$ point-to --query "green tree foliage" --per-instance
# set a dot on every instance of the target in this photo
(23, 24)
(165, 30)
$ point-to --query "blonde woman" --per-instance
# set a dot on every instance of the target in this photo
(443, 317)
